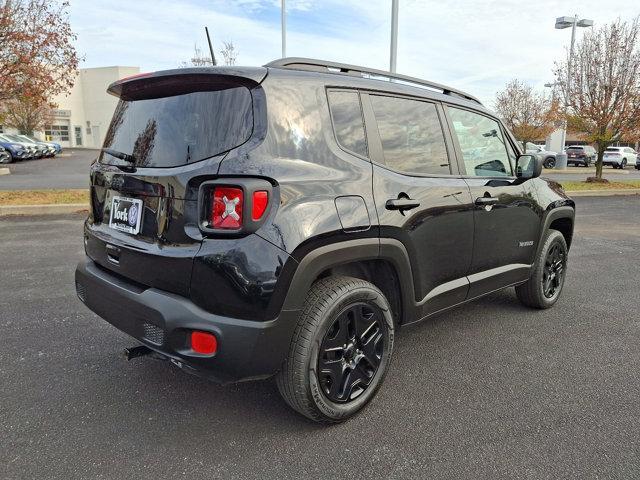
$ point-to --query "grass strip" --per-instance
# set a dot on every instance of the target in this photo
(43, 197)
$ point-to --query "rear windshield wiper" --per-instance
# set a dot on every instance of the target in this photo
(122, 156)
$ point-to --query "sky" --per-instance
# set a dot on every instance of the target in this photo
(472, 45)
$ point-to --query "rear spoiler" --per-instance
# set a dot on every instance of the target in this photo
(185, 80)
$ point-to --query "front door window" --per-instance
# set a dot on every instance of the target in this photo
(482, 144)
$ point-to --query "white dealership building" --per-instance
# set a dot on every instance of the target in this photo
(82, 117)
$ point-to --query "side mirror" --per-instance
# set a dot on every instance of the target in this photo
(528, 166)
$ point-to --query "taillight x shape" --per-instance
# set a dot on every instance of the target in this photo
(226, 210)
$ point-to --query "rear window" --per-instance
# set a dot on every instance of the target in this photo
(613, 150)
(176, 130)
(575, 148)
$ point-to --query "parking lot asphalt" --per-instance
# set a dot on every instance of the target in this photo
(489, 390)
(71, 170)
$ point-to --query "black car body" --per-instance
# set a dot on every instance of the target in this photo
(581, 155)
(328, 153)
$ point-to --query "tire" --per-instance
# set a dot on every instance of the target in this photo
(549, 162)
(6, 159)
(623, 164)
(329, 315)
(587, 162)
(534, 292)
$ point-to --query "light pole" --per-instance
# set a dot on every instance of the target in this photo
(283, 18)
(394, 36)
(562, 23)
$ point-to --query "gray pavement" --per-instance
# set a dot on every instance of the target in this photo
(490, 390)
(68, 170)
(580, 174)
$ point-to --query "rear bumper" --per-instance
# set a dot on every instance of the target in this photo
(578, 160)
(162, 321)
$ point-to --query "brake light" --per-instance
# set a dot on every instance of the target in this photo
(226, 208)
(204, 342)
(260, 201)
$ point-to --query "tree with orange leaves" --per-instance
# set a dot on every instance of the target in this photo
(530, 115)
(37, 57)
(603, 95)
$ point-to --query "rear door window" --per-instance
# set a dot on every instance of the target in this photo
(346, 114)
(411, 135)
(175, 130)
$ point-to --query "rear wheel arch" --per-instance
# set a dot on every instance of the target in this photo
(382, 262)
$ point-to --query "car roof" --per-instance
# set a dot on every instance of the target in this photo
(351, 76)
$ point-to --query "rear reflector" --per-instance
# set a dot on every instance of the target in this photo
(203, 342)
(226, 211)
(260, 201)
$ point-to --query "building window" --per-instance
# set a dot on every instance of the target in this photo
(78, 134)
(88, 127)
(57, 132)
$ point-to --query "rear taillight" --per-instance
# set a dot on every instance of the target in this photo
(237, 207)
(226, 208)
(260, 202)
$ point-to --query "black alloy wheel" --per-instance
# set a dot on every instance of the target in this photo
(340, 351)
(545, 284)
(554, 270)
(350, 352)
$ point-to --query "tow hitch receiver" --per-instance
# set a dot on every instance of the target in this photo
(139, 351)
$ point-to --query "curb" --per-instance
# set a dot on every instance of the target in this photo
(575, 171)
(55, 209)
(4, 171)
(602, 193)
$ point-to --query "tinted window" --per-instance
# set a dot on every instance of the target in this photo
(481, 143)
(411, 134)
(180, 129)
(347, 121)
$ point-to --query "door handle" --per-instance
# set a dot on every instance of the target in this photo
(483, 201)
(401, 204)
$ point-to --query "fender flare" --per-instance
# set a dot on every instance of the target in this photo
(341, 253)
(551, 216)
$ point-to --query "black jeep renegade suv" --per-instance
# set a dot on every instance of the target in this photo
(286, 220)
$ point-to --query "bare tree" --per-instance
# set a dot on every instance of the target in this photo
(198, 60)
(229, 53)
(530, 115)
(603, 95)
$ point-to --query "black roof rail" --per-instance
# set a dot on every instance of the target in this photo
(300, 63)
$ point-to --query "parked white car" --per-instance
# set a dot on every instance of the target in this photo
(619, 157)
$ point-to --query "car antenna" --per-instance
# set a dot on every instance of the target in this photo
(213, 57)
